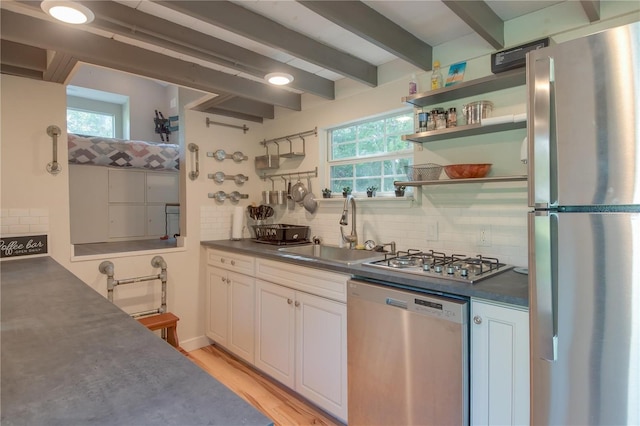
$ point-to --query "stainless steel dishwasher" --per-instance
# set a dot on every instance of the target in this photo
(408, 361)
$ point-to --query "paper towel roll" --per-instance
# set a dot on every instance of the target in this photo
(524, 151)
(236, 226)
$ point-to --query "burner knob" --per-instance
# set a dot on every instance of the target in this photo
(426, 267)
(464, 272)
(450, 270)
(438, 268)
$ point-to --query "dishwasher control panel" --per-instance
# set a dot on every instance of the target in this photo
(442, 307)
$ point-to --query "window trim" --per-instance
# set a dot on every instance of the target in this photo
(101, 107)
(408, 154)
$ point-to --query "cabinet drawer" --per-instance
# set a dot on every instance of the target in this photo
(315, 281)
(231, 261)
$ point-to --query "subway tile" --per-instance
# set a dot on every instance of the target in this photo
(28, 220)
(39, 228)
(10, 220)
(18, 212)
(18, 229)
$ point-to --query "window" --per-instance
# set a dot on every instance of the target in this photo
(370, 153)
(96, 113)
(90, 123)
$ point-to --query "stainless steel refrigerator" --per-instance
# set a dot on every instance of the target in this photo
(584, 231)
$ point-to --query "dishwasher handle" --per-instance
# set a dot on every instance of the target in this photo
(397, 303)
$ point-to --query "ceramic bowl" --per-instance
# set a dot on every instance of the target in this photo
(467, 171)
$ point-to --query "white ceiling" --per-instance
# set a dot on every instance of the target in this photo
(267, 36)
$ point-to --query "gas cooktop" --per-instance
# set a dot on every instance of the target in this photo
(455, 267)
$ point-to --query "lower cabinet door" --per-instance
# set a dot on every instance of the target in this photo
(127, 221)
(499, 364)
(241, 315)
(321, 364)
(217, 295)
(275, 333)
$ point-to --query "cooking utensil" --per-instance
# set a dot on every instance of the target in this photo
(253, 212)
(298, 191)
(467, 171)
(474, 112)
(309, 201)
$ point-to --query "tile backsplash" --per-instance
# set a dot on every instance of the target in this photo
(497, 230)
(24, 221)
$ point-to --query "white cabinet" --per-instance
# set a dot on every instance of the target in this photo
(275, 331)
(88, 204)
(126, 221)
(499, 364)
(115, 204)
(126, 186)
(301, 338)
(230, 302)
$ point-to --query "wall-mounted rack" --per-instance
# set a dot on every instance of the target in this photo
(308, 173)
(244, 127)
(288, 138)
(234, 196)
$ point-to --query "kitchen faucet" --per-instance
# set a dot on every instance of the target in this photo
(352, 239)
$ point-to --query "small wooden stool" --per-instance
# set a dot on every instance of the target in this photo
(166, 321)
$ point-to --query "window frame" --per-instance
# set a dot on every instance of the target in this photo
(404, 156)
(97, 113)
(115, 109)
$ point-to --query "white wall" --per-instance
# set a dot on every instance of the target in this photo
(145, 96)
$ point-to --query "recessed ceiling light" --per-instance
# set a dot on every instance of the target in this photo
(279, 78)
(67, 11)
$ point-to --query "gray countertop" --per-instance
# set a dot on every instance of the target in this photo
(71, 357)
(508, 287)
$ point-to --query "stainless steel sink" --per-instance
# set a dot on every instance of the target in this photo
(333, 253)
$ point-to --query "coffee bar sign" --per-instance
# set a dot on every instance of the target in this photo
(23, 246)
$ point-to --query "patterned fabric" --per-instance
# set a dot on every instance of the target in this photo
(113, 152)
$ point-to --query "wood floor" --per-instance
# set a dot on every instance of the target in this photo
(275, 401)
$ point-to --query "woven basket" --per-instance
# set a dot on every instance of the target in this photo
(429, 171)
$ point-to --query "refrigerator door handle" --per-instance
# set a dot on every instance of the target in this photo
(540, 83)
(543, 283)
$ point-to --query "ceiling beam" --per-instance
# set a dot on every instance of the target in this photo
(256, 27)
(22, 56)
(240, 105)
(120, 19)
(59, 68)
(479, 16)
(113, 54)
(377, 29)
(592, 9)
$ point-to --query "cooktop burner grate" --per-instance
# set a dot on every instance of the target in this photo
(456, 267)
